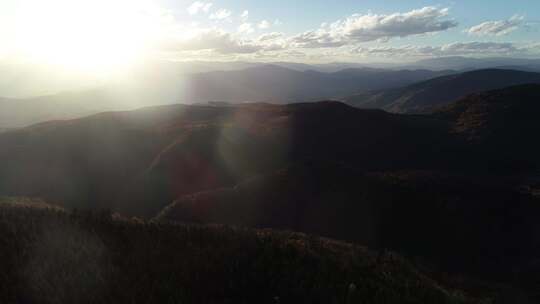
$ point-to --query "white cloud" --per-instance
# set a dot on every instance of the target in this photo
(274, 47)
(318, 39)
(534, 47)
(270, 36)
(265, 24)
(285, 55)
(372, 27)
(216, 40)
(452, 49)
(295, 53)
(497, 28)
(244, 16)
(467, 48)
(221, 42)
(199, 7)
(221, 14)
(278, 22)
(246, 28)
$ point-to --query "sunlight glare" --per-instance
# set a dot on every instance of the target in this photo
(95, 36)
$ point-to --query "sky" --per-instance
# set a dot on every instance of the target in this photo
(107, 34)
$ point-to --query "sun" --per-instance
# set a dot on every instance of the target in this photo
(87, 35)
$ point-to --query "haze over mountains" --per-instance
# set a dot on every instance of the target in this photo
(271, 83)
(469, 63)
(378, 86)
(16, 113)
(265, 83)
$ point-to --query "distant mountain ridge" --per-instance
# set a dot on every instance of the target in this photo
(427, 95)
(26, 81)
(272, 83)
(469, 63)
(265, 83)
(15, 113)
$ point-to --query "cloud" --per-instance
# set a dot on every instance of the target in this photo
(318, 39)
(244, 16)
(285, 55)
(246, 28)
(274, 47)
(221, 14)
(294, 53)
(215, 40)
(452, 49)
(467, 48)
(497, 28)
(371, 27)
(270, 36)
(263, 25)
(534, 47)
(199, 7)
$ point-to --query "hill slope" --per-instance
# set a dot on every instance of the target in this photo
(425, 96)
(481, 221)
(462, 224)
(51, 256)
(503, 120)
(138, 162)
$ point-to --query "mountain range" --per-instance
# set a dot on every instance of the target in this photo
(439, 166)
(266, 83)
(469, 63)
(401, 91)
(454, 189)
(272, 83)
(179, 149)
(427, 95)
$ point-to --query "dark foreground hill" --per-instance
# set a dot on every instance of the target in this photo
(474, 225)
(481, 222)
(51, 256)
(428, 95)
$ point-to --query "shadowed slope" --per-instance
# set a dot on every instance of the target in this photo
(55, 257)
(500, 124)
(463, 224)
(137, 162)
